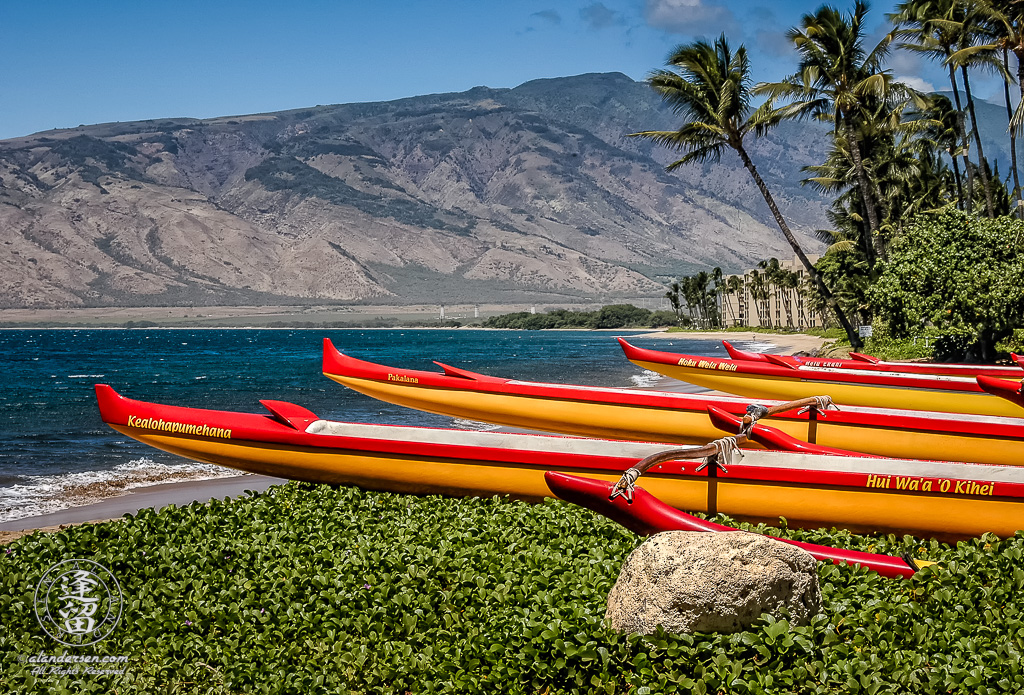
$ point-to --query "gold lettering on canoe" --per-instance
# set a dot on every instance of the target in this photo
(150, 423)
(914, 484)
(403, 378)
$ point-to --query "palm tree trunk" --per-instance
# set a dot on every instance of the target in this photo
(808, 266)
(865, 192)
(989, 207)
(959, 182)
(966, 203)
(1013, 134)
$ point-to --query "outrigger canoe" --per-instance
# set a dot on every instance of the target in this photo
(678, 418)
(646, 515)
(1013, 391)
(924, 498)
(948, 394)
(873, 364)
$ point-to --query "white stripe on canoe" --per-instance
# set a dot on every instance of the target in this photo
(929, 414)
(638, 450)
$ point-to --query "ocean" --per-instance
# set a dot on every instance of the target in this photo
(56, 453)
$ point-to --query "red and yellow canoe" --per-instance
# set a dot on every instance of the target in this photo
(873, 364)
(948, 394)
(681, 418)
(807, 488)
(647, 515)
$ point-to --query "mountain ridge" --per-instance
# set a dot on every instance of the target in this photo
(533, 193)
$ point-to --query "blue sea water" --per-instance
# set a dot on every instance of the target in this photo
(55, 452)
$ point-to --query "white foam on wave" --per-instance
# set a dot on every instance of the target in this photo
(756, 346)
(476, 425)
(41, 494)
(646, 379)
(86, 376)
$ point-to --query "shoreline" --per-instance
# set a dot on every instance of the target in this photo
(185, 492)
(149, 497)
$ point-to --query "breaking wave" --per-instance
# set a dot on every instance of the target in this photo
(33, 495)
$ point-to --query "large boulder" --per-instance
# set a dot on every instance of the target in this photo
(690, 581)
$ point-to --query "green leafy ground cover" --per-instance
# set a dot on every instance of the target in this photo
(308, 589)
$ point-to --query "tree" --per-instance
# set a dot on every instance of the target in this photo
(672, 296)
(1004, 20)
(959, 273)
(734, 286)
(839, 81)
(933, 28)
(973, 51)
(711, 89)
(760, 294)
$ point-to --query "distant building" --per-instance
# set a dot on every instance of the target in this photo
(760, 301)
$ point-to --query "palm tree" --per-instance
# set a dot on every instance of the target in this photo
(974, 51)
(932, 27)
(839, 81)
(710, 88)
(734, 286)
(673, 297)
(1004, 22)
(718, 287)
(759, 292)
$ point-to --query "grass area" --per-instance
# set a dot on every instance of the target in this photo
(318, 589)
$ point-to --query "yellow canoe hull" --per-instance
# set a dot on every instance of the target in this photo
(865, 395)
(804, 504)
(617, 421)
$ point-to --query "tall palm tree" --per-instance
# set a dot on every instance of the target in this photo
(672, 296)
(933, 29)
(1004, 23)
(734, 286)
(759, 293)
(838, 80)
(711, 88)
(974, 50)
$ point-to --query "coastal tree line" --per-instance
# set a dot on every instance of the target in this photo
(903, 169)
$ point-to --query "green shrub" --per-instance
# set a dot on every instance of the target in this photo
(962, 274)
(318, 589)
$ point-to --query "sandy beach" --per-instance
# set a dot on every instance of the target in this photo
(153, 496)
(183, 493)
(783, 343)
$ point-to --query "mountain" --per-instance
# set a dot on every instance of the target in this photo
(528, 194)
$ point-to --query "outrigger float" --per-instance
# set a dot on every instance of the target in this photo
(809, 489)
(873, 364)
(677, 418)
(948, 394)
(646, 515)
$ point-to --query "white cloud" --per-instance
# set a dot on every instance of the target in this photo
(689, 17)
(918, 83)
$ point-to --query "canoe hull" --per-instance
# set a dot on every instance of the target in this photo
(869, 363)
(846, 387)
(673, 417)
(809, 490)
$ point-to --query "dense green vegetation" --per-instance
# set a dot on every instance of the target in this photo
(319, 589)
(611, 316)
(961, 275)
(899, 161)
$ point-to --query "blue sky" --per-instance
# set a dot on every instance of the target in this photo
(70, 63)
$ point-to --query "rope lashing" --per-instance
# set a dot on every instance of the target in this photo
(755, 412)
(726, 448)
(626, 485)
(719, 450)
(821, 404)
